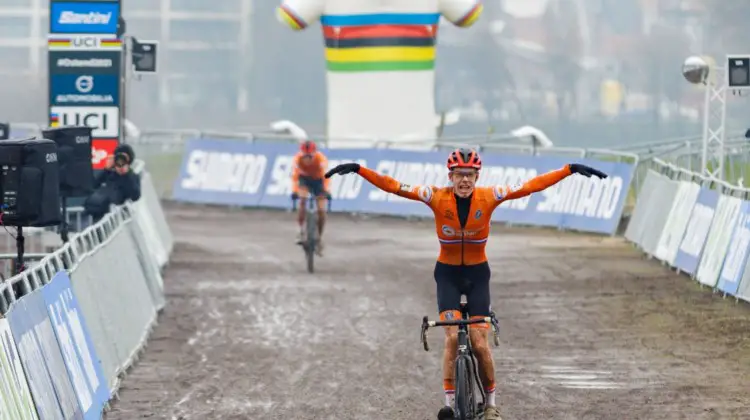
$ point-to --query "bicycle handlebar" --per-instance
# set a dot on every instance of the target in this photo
(328, 197)
(426, 324)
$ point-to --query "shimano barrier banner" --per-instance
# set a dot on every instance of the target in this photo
(15, 396)
(691, 247)
(259, 174)
(719, 236)
(736, 258)
(84, 367)
(42, 359)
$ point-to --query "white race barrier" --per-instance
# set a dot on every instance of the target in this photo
(718, 239)
(76, 321)
(679, 215)
(699, 226)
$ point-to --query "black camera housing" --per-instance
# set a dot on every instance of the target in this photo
(74, 149)
(29, 183)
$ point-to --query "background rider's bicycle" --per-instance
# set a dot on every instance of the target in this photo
(466, 369)
(310, 241)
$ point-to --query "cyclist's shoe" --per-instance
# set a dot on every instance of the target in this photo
(301, 237)
(446, 413)
(492, 413)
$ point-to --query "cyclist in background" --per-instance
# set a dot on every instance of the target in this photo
(308, 179)
(462, 220)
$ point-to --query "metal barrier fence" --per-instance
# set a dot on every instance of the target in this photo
(75, 321)
(697, 225)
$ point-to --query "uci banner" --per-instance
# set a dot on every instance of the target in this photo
(259, 174)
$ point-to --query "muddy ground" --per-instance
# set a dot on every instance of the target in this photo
(590, 328)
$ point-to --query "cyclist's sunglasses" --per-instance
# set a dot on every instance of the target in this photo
(470, 173)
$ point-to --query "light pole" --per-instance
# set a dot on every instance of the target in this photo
(735, 75)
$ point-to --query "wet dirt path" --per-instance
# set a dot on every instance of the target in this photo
(590, 329)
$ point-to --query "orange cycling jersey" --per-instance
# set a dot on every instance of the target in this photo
(463, 246)
(314, 169)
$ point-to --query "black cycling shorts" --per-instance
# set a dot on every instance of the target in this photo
(313, 186)
(471, 280)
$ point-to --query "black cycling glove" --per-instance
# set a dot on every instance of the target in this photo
(344, 168)
(586, 171)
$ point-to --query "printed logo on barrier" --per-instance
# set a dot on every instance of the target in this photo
(346, 187)
(76, 347)
(18, 403)
(719, 236)
(42, 359)
(101, 150)
(737, 253)
(84, 18)
(83, 42)
(85, 89)
(507, 179)
(691, 245)
(105, 121)
(216, 171)
(228, 172)
(697, 231)
(580, 196)
(413, 173)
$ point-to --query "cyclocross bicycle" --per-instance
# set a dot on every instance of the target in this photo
(311, 230)
(466, 368)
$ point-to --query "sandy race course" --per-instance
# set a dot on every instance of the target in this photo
(590, 329)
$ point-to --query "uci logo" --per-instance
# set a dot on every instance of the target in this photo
(51, 157)
(85, 42)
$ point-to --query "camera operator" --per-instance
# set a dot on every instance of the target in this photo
(115, 184)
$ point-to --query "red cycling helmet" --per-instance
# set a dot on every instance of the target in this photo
(464, 158)
(308, 147)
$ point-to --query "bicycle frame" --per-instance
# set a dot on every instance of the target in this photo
(466, 356)
(311, 225)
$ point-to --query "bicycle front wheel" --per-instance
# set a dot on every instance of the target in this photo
(312, 239)
(464, 390)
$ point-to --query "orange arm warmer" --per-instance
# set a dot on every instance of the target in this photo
(539, 183)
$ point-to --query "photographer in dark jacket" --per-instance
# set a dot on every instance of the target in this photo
(115, 184)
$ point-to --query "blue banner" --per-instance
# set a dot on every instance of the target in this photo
(42, 359)
(83, 17)
(84, 89)
(691, 247)
(84, 367)
(259, 174)
(737, 253)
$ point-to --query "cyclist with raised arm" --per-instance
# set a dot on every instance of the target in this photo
(309, 167)
(462, 222)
